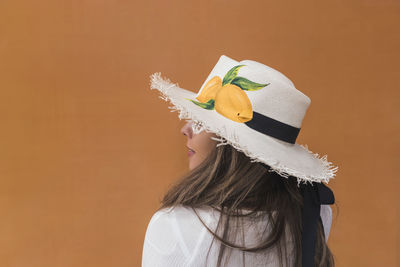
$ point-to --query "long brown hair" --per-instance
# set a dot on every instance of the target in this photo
(229, 182)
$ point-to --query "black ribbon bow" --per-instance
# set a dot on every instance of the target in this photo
(313, 196)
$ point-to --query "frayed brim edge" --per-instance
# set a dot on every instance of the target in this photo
(164, 85)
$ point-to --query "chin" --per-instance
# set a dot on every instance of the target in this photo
(191, 167)
(192, 164)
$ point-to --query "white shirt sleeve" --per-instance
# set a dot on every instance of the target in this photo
(163, 246)
(326, 217)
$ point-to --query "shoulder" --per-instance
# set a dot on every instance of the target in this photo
(176, 216)
(176, 219)
(172, 233)
(160, 232)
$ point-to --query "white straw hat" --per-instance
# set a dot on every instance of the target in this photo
(254, 108)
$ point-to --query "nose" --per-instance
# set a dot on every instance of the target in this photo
(187, 129)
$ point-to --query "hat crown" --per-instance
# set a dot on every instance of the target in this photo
(278, 99)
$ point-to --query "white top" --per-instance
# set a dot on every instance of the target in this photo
(175, 237)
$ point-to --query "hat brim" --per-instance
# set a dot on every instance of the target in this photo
(284, 158)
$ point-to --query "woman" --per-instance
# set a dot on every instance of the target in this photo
(240, 204)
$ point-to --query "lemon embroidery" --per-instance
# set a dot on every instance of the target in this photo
(233, 103)
(210, 89)
(227, 96)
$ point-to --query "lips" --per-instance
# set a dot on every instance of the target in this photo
(191, 150)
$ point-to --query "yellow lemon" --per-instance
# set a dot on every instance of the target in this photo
(232, 102)
(210, 89)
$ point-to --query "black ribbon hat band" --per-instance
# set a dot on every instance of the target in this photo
(274, 128)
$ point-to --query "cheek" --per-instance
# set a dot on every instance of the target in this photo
(204, 143)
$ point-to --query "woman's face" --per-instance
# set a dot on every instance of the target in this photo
(199, 145)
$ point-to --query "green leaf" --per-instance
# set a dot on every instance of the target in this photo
(209, 105)
(231, 74)
(248, 85)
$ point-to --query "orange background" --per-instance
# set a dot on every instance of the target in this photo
(87, 150)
